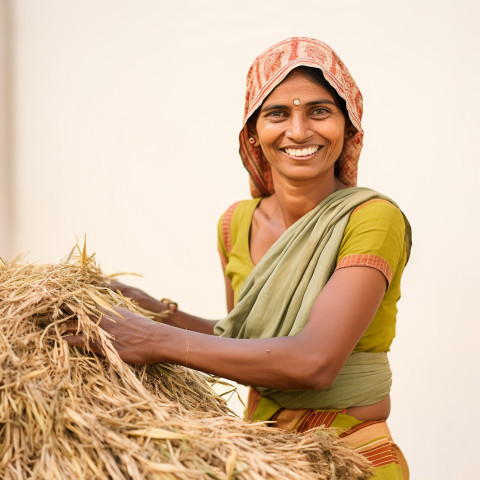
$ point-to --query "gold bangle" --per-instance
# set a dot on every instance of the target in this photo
(171, 306)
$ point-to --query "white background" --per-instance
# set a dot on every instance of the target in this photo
(122, 120)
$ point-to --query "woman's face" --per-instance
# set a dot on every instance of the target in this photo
(300, 130)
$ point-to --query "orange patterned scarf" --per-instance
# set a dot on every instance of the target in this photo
(267, 71)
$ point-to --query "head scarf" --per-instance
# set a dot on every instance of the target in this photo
(267, 71)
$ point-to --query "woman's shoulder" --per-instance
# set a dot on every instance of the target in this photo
(379, 214)
(236, 218)
(380, 209)
(374, 206)
(238, 211)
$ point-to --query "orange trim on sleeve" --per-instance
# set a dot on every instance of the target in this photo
(226, 232)
(373, 261)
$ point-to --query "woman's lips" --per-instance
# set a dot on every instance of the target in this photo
(301, 152)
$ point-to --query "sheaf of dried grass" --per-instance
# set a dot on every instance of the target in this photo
(67, 413)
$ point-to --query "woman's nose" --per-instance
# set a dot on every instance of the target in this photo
(299, 128)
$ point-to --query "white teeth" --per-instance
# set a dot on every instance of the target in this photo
(301, 152)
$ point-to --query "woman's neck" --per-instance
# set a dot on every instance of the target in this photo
(292, 201)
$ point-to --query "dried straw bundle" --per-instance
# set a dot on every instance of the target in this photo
(66, 413)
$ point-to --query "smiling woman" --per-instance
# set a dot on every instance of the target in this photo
(301, 138)
(312, 266)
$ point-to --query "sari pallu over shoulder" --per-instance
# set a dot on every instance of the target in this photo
(286, 282)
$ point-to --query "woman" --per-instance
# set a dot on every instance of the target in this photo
(312, 266)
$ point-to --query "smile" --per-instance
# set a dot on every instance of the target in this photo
(301, 152)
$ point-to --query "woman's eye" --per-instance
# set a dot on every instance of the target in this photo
(321, 111)
(276, 115)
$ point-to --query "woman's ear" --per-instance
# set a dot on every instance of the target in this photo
(252, 134)
(350, 130)
(253, 139)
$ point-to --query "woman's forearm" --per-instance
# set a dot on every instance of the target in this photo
(272, 362)
(176, 318)
(186, 321)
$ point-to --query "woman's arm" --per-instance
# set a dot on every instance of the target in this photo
(185, 321)
(228, 286)
(177, 318)
(310, 360)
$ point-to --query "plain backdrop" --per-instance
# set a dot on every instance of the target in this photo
(121, 121)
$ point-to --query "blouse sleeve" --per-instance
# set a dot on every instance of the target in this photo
(374, 237)
(220, 241)
(224, 231)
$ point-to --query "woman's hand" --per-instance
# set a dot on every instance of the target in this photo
(173, 317)
(139, 296)
(131, 336)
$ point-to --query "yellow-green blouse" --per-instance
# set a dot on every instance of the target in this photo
(374, 237)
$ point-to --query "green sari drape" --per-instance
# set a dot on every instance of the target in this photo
(278, 295)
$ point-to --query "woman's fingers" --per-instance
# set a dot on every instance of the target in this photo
(71, 326)
(79, 341)
(124, 289)
(136, 294)
(128, 332)
(115, 285)
(75, 340)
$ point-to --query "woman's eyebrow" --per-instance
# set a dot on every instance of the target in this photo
(273, 107)
(309, 104)
(317, 102)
